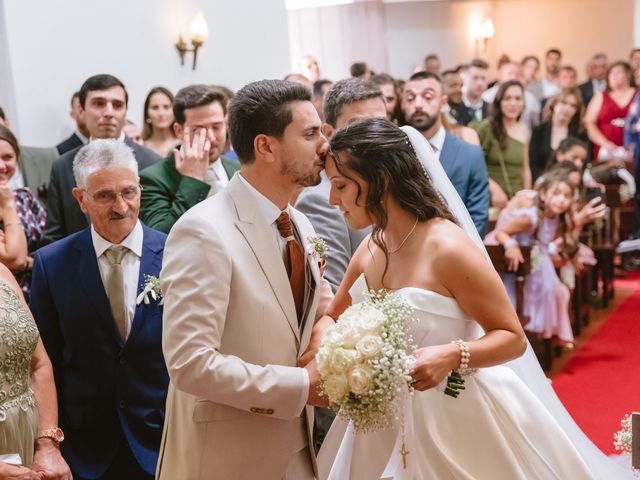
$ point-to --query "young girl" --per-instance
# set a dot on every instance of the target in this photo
(541, 219)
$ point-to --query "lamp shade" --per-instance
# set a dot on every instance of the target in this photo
(199, 30)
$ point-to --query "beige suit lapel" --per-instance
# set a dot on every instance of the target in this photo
(255, 230)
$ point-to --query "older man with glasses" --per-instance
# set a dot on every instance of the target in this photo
(97, 303)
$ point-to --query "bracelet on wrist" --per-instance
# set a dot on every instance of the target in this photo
(511, 243)
(465, 356)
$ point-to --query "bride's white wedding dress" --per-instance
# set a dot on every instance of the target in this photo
(496, 429)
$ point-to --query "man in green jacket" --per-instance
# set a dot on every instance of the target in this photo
(195, 171)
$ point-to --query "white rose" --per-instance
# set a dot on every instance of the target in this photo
(342, 359)
(370, 320)
(369, 346)
(360, 380)
(336, 387)
(324, 363)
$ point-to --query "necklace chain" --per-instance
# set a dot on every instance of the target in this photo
(405, 238)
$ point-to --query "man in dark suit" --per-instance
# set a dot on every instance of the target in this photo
(597, 73)
(103, 108)
(196, 171)
(81, 135)
(422, 103)
(473, 107)
(101, 325)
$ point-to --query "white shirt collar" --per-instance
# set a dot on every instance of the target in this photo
(120, 138)
(133, 241)
(218, 169)
(437, 141)
(468, 103)
(79, 134)
(269, 210)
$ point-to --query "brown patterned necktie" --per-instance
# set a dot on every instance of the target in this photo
(294, 261)
(115, 287)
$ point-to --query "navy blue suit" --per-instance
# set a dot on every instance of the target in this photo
(464, 165)
(111, 394)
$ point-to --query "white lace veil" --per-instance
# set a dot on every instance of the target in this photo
(527, 366)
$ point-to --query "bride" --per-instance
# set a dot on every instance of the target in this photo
(507, 423)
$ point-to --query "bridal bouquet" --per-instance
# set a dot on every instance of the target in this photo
(364, 362)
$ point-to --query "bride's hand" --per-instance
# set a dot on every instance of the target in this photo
(433, 365)
(316, 337)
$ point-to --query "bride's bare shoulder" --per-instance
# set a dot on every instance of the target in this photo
(444, 238)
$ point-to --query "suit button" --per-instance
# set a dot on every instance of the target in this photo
(121, 404)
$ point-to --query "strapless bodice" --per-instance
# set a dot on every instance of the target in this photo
(438, 319)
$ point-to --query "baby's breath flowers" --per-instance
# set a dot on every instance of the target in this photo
(364, 361)
(622, 438)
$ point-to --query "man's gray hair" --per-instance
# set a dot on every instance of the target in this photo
(99, 154)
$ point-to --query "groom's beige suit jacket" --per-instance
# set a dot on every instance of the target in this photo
(231, 341)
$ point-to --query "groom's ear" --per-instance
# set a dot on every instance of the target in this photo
(263, 148)
(327, 130)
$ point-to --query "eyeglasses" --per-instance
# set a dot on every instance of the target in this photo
(109, 197)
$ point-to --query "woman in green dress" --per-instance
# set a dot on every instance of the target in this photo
(504, 140)
(29, 437)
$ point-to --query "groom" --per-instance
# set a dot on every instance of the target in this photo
(242, 295)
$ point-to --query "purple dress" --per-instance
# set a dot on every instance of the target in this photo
(546, 298)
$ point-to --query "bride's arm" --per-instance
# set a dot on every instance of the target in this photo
(341, 301)
(462, 269)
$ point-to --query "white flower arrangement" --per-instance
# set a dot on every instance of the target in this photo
(150, 291)
(622, 438)
(364, 363)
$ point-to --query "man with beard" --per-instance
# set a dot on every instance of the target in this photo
(242, 294)
(422, 102)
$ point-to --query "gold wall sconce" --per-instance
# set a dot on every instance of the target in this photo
(199, 32)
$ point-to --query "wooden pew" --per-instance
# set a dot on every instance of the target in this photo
(542, 347)
(581, 299)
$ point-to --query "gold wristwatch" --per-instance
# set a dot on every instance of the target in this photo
(56, 434)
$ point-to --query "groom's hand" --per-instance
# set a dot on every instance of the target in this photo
(316, 338)
(315, 399)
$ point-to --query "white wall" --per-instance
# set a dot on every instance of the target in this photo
(55, 45)
(578, 27)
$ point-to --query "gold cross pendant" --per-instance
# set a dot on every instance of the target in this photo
(404, 452)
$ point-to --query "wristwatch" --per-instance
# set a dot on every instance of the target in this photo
(56, 434)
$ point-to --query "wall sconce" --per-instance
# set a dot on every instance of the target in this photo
(199, 33)
(486, 31)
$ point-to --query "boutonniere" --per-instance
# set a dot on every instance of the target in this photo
(317, 248)
(150, 291)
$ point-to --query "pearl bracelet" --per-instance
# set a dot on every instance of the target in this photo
(512, 242)
(465, 356)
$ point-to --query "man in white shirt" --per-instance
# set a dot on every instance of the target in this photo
(197, 170)
(243, 293)
(102, 327)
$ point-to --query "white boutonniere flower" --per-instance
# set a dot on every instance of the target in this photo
(150, 291)
(317, 248)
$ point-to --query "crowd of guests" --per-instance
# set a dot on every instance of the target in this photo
(82, 245)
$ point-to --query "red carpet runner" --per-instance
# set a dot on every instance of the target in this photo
(602, 382)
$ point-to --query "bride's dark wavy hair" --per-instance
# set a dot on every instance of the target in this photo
(381, 154)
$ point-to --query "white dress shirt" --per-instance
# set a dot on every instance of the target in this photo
(271, 212)
(216, 176)
(437, 141)
(130, 266)
(599, 85)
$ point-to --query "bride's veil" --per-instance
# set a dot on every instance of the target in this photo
(527, 366)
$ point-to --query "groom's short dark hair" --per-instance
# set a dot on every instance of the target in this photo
(262, 108)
